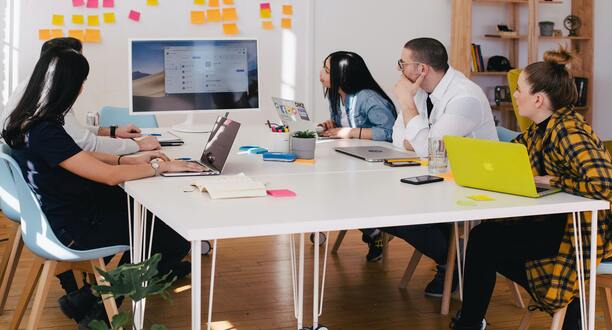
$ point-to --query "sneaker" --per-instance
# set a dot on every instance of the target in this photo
(375, 248)
(97, 312)
(436, 286)
(456, 323)
(77, 304)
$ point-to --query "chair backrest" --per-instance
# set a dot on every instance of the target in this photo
(506, 135)
(513, 76)
(9, 202)
(121, 116)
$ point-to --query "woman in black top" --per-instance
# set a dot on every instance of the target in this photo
(77, 189)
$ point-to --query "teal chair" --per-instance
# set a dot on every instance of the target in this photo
(121, 116)
(506, 135)
(52, 256)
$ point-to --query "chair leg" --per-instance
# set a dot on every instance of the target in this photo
(9, 264)
(109, 302)
(526, 320)
(448, 276)
(557, 321)
(48, 271)
(386, 238)
(516, 294)
(339, 239)
(26, 294)
(606, 294)
(412, 265)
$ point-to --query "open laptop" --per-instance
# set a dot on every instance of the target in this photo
(216, 150)
(491, 165)
(375, 153)
(294, 115)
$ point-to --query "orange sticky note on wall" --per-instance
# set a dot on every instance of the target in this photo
(44, 34)
(57, 20)
(78, 19)
(267, 25)
(228, 2)
(214, 15)
(77, 34)
(286, 23)
(230, 29)
(92, 35)
(57, 33)
(229, 14)
(152, 3)
(109, 18)
(288, 9)
(213, 3)
(197, 17)
(265, 13)
(198, 2)
(93, 20)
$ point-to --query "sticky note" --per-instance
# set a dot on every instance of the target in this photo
(109, 18)
(229, 14)
(228, 2)
(265, 13)
(281, 193)
(213, 3)
(134, 15)
(265, 5)
(152, 3)
(214, 15)
(108, 3)
(57, 33)
(44, 34)
(230, 29)
(92, 3)
(286, 23)
(78, 3)
(198, 2)
(57, 20)
(93, 20)
(481, 198)
(197, 17)
(267, 25)
(305, 161)
(78, 19)
(466, 203)
(92, 35)
(77, 34)
(288, 9)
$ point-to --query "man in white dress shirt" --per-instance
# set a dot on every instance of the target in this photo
(435, 100)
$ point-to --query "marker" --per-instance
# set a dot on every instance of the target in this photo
(154, 134)
(183, 158)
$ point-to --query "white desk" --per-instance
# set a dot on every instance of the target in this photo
(339, 192)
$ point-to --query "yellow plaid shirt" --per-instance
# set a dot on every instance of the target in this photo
(569, 151)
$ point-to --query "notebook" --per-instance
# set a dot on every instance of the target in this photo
(234, 186)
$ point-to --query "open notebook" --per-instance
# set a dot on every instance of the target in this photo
(234, 186)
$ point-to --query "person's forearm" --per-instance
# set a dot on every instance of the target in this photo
(104, 157)
(408, 146)
(408, 114)
(104, 131)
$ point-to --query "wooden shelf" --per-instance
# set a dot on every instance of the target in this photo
(497, 36)
(564, 37)
(518, 1)
(489, 74)
(506, 106)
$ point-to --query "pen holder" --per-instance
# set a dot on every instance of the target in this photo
(278, 142)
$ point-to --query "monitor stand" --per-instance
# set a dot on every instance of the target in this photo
(189, 126)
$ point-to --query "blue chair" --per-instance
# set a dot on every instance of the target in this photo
(121, 116)
(506, 135)
(52, 256)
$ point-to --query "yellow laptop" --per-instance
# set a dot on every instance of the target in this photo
(491, 165)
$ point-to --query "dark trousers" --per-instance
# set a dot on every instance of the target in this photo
(504, 247)
(431, 240)
(108, 226)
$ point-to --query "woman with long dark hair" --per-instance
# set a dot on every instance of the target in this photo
(359, 108)
(78, 189)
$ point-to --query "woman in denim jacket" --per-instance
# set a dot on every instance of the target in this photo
(359, 108)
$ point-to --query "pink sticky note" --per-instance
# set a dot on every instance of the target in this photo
(281, 193)
(134, 15)
(265, 5)
(78, 3)
(92, 3)
(108, 3)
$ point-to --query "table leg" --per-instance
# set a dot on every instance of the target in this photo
(315, 283)
(212, 284)
(593, 270)
(196, 287)
(136, 249)
(300, 321)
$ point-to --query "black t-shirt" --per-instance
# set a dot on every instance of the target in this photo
(67, 199)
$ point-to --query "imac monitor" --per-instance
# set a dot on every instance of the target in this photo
(193, 76)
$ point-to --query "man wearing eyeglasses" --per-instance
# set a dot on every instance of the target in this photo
(435, 100)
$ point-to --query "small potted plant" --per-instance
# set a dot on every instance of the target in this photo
(303, 144)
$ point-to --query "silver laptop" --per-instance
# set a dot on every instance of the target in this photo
(375, 153)
(294, 115)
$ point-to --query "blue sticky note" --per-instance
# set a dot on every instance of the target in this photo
(247, 148)
(258, 151)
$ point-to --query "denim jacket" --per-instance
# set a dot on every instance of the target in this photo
(368, 109)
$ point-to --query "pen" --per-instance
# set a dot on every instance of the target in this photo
(154, 134)
(183, 158)
(269, 125)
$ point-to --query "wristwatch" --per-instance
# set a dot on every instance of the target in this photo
(113, 129)
(155, 166)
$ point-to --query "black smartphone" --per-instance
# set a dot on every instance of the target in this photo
(423, 179)
(401, 163)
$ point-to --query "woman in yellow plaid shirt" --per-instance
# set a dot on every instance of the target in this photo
(538, 253)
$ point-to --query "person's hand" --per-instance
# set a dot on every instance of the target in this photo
(328, 124)
(545, 180)
(127, 132)
(341, 132)
(148, 143)
(180, 166)
(405, 90)
(144, 158)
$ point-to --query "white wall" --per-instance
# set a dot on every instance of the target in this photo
(602, 75)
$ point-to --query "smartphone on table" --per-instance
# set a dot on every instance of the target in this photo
(423, 179)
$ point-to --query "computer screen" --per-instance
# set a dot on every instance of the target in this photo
(193, 75)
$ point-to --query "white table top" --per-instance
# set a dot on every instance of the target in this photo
(339, 192)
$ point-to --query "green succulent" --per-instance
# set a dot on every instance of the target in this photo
(307, 134)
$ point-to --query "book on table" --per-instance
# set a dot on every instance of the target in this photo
(233, 186)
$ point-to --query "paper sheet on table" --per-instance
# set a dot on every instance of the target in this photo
(234, 186)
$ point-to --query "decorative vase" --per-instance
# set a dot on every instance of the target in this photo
(546, 28)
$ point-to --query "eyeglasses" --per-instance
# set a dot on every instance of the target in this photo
(401, 64)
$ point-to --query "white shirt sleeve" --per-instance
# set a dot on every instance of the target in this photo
(91, 142)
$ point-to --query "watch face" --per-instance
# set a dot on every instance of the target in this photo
(155, 165)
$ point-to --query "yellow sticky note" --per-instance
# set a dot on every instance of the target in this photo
(230, 29)
(466, 203)
(267, 25)
(198, 2)
(78, 19)
(288, 9)
(305, 161)
(229, 14)
(214, 15)
(152, 3)
(57, 20)
(265, 13)
(93, 20)
(197, 17)
(109, 18)
(228, 2)
(286, 23)
(57, 33)
(77, 34)
(481, 198)
(44, 34)
(213, 3)
(92, 35)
